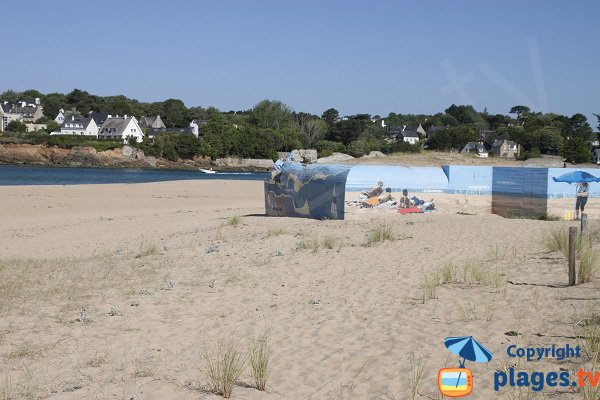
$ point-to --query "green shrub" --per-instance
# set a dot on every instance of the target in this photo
(325, 148)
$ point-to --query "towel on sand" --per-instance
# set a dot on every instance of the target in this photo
(410, 210)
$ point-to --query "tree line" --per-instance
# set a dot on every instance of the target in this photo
(271, 126)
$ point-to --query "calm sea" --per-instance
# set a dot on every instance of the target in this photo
(26, 175)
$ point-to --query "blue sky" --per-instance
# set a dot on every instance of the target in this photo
(356, 56)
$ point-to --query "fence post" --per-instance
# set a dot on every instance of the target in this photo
(572, 238)
(583, 223)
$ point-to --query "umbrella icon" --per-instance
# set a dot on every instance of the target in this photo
(469, 349)
(576, 177)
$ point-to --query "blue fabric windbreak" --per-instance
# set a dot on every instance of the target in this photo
(520, 192)
(312, 191)
(415, 179)
(469, 180)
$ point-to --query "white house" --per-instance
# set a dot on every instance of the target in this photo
(79, 127)
(60, 118)
(411, 137)
(475, 147)
(121, 128)
(6, 116)
(195, 126)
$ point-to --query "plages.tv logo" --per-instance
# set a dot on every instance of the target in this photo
(458, 382)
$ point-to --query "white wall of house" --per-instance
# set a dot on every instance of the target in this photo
(60, 118)
(7, 118)
(411, 140)
(131, 129)
(35, 127)
(76, 128)
(195, 128)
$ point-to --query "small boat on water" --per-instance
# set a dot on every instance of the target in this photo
(207, 171)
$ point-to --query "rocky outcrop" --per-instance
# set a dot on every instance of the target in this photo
(335, 157)
(127, 156)
(302, 155)
(75, 156)
(244, 163)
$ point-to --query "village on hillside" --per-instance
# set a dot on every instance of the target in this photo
(272, 127)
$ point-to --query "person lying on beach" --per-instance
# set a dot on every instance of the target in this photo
(375, 201)
(374, 191)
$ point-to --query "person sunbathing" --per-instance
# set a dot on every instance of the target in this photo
(374, 191)
(405, 201)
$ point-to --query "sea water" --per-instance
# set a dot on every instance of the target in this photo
(31, 175)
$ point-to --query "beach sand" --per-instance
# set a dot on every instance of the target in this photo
(346, 322)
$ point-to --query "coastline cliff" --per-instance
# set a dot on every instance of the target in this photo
(125, 157)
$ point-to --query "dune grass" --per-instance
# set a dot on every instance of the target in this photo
(275, 233)
(557, 240)
(260, 362)
(234, 220)
(223, 366)
(309, 244)
(147, 249)
(417, 374)
(328, 242)
(476, 273)
(380, 234)
(7, 387)
(589, 258)
(589, 330)
(589, 262)
(472, 273)
(430, 285)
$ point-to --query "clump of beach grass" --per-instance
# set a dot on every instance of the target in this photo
(498, 253)
(224, 365)
(330, 242)
(380, 234)
(588, 256)
(417, 373)
(590, 333)
(147, 249)
(489, 311)
(7, 388)
(473, 273)
(447, 274)
(467, 312)
(276, 232)
(588, 262)
(309, 244)
(260, 361)
(327, 242)
(535, 298)
(234, 220)
(557, 240)
(431, 282)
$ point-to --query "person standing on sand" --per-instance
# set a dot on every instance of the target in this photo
(582, 197)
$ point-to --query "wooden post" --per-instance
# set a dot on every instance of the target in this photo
(572, 238)
(583, 223)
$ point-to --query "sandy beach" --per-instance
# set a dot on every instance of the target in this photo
(164, 272)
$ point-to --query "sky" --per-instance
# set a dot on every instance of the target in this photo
(372, 57)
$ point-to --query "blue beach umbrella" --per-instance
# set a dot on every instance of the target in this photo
(469, 349)
(576, 177)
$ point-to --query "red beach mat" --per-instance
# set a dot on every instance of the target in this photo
(410, 210)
